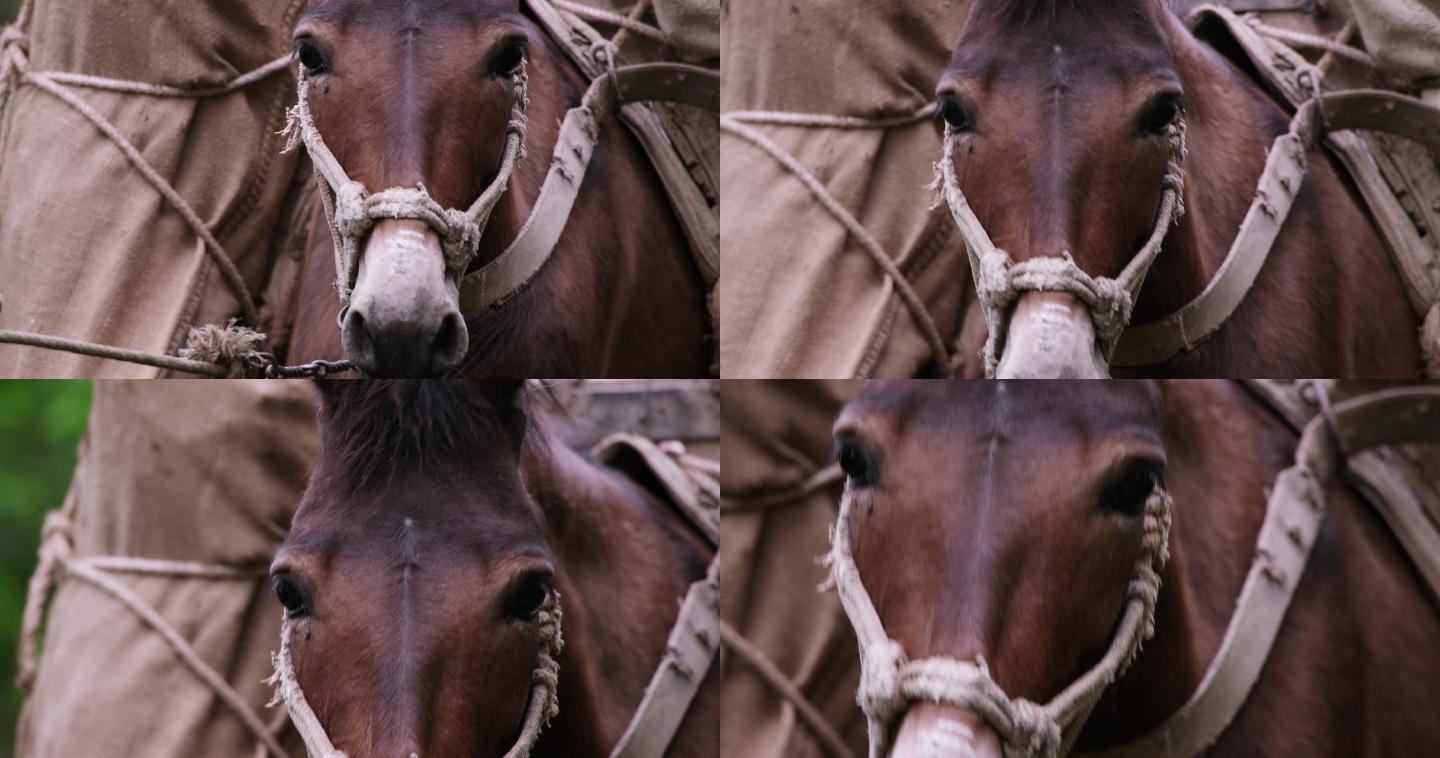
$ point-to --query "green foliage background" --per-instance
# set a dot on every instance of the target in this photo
(40, 427)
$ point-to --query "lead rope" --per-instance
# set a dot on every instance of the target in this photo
(999, 280)
(890, 682)
(57, 560)
(544, 701)
(213, 351)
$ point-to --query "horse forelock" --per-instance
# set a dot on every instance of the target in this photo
(436, 425)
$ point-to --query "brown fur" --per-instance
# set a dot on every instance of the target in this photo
(1061, 131)
(984, 535)
(406, 649)
(411, 100)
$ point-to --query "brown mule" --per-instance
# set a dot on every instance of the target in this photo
(1001, 520)
(1059, 109)
(419, 94)
(440, 517)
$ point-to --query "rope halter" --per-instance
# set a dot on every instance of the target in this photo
(544, 701)
(999, 280)
(890, 682)
(352, 210)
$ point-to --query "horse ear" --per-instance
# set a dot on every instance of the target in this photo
(509, 399)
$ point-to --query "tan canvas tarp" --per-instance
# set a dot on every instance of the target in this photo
(801, 297)
(181, 471)
(774, 437)
(88, 248)
(1404, 36)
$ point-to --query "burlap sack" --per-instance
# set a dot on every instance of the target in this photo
(89, 249)
(801, 297)
(692, 26)
(1404, 37)
(186, 471)
(775, 436)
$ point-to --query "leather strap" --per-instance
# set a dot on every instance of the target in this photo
(1278, 67)
(1285, 170)
(696, 496)
(694, 640)
(509, 273)
(1293, 516)
(689, 654)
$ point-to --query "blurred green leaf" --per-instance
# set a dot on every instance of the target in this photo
(40, 427)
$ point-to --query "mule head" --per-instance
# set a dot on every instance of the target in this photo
(1059, 111)
(415, 569)
(414, 94)
(997, 522)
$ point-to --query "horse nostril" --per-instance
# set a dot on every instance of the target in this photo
(359, 343)
(450, 343)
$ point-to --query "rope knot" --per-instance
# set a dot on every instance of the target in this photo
(351, 218)
(14, 50)
(235, 347)
(1033, 733)
(879, 694)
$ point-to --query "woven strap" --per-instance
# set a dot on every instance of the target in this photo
(508, 274)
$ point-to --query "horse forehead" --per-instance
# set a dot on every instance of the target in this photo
(970, 412)
(409, 14)
(1072, 45)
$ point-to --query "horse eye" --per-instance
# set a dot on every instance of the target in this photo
(1128, 494)
(525, 601)
(957, 116)
(1161, 114)
(311, 58)
(290, 596)
(855, 464)
(508, 61)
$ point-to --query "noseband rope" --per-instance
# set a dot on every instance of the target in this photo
(544, 696)
(890, 682)
(352, 210)
(999, 280)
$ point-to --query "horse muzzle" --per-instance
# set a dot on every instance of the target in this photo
(1050, 335)
(931, 730)
(404, 317)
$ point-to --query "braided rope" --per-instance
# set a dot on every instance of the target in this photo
(211, 351)
(14, 71)
(890, 682)
(929, 330)
(544, 696)
(352, 211)
(999, 280)
(57, 558)
(626, 22)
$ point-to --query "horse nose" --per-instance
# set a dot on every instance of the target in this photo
(404, 317)
(1050, 336)
(931, 730)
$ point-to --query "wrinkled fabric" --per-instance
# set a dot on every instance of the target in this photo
(209, 472)
(88, 248)
(774, 436)
(800, 296)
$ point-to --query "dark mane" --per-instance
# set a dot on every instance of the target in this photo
(438, 425)
(1036, 11)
